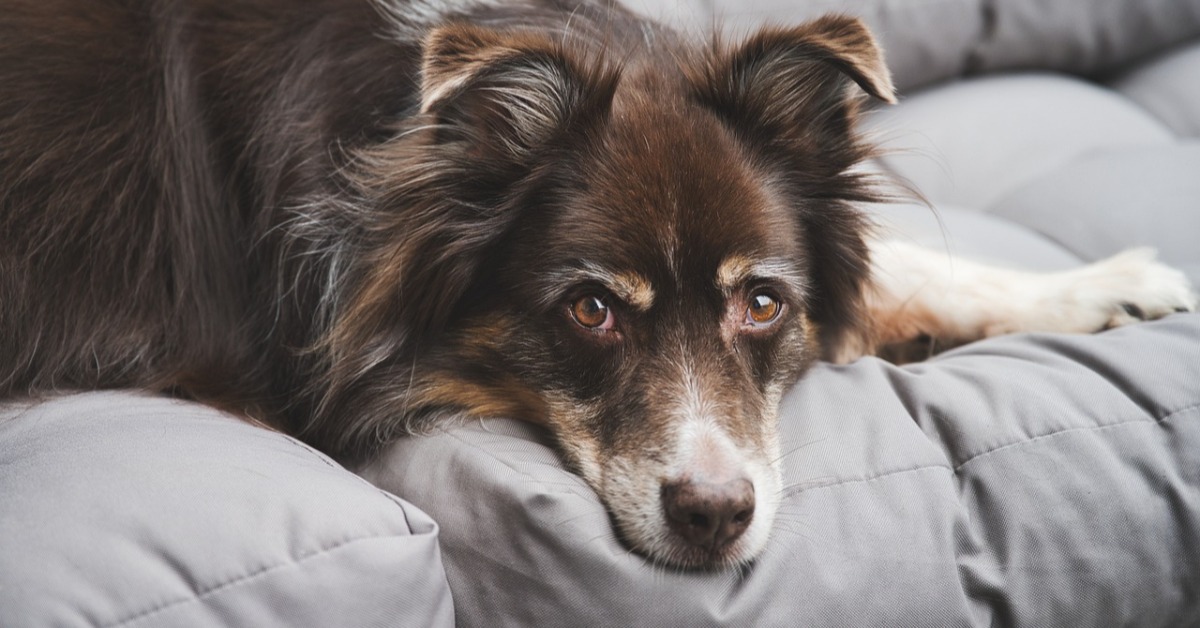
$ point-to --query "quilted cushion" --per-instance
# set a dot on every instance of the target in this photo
(1030, 480)
(972, 143)
(1087, 37)
(1085, 166)
(1167, 87)
(123, 510)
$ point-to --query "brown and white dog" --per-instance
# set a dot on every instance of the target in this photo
(354, 218)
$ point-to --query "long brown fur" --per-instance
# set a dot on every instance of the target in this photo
(353, 218)
(250, 203)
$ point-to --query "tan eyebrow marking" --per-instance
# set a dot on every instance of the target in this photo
(634, 289)
(630, 287)
(732, 271)
(736, 269)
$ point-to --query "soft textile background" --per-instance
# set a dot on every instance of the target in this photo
(121, 510)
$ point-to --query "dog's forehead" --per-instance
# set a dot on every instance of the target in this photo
(670, 191)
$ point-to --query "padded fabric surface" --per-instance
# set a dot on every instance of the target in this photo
(975, 142)
(1088, 37)
(1167, 87)
(119, 509)
(1021, 481)
(1087, 167)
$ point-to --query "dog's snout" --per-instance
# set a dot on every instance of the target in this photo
(709, 515)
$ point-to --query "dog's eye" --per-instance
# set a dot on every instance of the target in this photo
(592, 312)
(763, 309)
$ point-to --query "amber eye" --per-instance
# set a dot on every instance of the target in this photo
(763, 309)
(592, 312)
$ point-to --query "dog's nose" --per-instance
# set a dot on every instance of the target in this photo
(709, 515)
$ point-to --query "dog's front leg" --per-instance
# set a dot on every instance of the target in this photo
(927, 298)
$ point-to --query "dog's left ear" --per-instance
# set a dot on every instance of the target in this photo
(794, 88)
(792, 95)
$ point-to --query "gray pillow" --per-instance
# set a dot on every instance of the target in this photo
(1027, 480)
(1167, 87)
(1087, 37)
(120, 509)
(1081, 165)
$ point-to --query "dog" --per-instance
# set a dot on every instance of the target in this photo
(353, 220)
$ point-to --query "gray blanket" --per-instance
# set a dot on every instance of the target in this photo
(1022, 481)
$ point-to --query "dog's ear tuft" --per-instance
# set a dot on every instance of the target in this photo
(794, 85)
(507, 90)
(843, 42)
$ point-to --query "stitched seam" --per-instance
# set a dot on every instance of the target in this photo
(956, 468)
(1090, 428)
(240, 580)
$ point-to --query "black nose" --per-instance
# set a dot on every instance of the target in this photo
(709, 515)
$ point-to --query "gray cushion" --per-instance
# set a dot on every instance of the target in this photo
(975, 142)
(1038, 481)
(1109, 200)
(1081, 166)
(1087, 37)
(934, 40)
(127, 510)
(1167, 87)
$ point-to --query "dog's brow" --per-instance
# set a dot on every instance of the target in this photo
(736, 270)
(629, 286)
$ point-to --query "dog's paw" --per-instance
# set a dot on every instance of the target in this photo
(1126, 288)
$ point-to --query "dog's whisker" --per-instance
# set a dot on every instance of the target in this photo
(798, 449)
(798, 487)
(788, 529)
(580, 517)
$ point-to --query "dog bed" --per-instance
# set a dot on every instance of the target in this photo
(1021, 481)
(121, 509)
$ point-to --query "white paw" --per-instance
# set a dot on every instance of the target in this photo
(1122, 289)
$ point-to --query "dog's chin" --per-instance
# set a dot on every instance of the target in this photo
(670, 550)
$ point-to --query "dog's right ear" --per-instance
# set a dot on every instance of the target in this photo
(507, 92)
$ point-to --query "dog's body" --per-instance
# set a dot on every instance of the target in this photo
(353, 218)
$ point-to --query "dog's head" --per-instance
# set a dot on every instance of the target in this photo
(640, 258)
